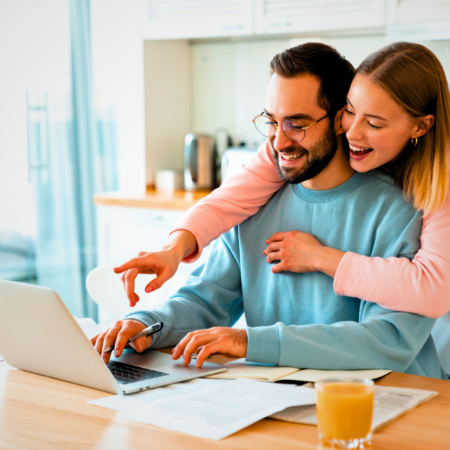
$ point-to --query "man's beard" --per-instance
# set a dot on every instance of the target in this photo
(317, 158)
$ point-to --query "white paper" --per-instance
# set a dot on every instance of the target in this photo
(221, 409)
(389, 404)
(128, 403)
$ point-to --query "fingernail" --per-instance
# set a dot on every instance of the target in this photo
(265, 252)
(117, 353)
(136, 298)
(116, 269)
(267, 241)
(149, 289)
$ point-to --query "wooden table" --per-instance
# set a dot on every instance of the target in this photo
(37, 412)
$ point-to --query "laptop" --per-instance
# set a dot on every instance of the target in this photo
(38, 334)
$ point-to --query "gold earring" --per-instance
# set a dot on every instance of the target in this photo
(414, 142)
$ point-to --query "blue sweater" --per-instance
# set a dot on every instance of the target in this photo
(296, 319)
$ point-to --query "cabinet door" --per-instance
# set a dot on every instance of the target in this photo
(300, 16)
(124, 232)
(184, 19)
(419, 11)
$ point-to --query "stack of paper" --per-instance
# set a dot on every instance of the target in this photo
(389, 404)
(211, 409)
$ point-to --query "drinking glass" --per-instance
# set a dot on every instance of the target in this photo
(344, 412)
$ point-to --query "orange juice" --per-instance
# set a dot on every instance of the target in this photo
(344, 409)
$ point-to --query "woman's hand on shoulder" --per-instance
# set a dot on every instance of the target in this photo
(301, 252)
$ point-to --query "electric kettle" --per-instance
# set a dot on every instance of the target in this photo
(199, 161)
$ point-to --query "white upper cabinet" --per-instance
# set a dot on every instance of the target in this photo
(418, 11)
(189, 19)
(301, 16)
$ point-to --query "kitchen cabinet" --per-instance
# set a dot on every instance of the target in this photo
(302, 16)
(129, 224)
(418, 11)
(189, 19)
(196, 19)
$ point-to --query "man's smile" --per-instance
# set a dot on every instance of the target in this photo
(291, 158)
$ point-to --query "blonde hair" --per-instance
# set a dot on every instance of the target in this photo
(413, 76)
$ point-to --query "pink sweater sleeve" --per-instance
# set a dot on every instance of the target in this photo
(237, 199)
(420, 286)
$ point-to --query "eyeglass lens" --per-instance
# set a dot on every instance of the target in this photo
(291, 127)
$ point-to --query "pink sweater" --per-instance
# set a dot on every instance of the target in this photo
(421, 286)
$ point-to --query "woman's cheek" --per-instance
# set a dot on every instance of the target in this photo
(345, 122)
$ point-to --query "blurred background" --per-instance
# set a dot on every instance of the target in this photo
(105, 105)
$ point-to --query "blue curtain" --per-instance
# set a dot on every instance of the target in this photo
(85, 151)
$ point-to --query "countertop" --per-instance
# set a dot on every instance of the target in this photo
(176, 200)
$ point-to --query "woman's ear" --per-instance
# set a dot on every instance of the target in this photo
(338, 121)
(424, 125)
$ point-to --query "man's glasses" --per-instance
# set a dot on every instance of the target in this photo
(292, 128)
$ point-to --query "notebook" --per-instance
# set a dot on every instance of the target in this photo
(270, 373)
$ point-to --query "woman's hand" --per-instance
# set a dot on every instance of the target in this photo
(301, 252)
(163, 263)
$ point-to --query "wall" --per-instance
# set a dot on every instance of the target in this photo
(229, 80)
(227, 84)
(118, 29)
(167, 102)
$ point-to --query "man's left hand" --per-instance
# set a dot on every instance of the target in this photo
(232, 341)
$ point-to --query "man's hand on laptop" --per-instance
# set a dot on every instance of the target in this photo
(213, 340)
(118, 335)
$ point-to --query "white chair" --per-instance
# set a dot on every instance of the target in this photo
(106, 289)
(441, 336)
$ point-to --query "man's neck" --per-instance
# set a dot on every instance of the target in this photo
(337, 172)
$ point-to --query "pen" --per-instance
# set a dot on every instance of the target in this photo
(145, 332)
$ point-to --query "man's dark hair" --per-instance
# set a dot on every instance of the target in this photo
(334, 73)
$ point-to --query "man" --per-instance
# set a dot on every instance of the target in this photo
(297, 319)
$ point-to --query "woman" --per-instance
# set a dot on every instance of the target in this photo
(397, 118)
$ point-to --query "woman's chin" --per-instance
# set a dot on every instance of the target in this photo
(362, 166)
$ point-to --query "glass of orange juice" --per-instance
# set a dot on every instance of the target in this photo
(344, 412)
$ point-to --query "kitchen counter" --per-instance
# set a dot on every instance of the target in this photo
(177, 200)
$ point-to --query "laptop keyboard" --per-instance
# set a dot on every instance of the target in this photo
(126, 373)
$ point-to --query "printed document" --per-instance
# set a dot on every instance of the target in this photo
(218, 409)
(128, 403)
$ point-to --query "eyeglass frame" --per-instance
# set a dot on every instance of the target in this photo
(276, 125)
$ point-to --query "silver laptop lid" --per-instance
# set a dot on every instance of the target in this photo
(38, 334)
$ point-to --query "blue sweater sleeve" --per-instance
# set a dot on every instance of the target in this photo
(212, 297)
(382, 340)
